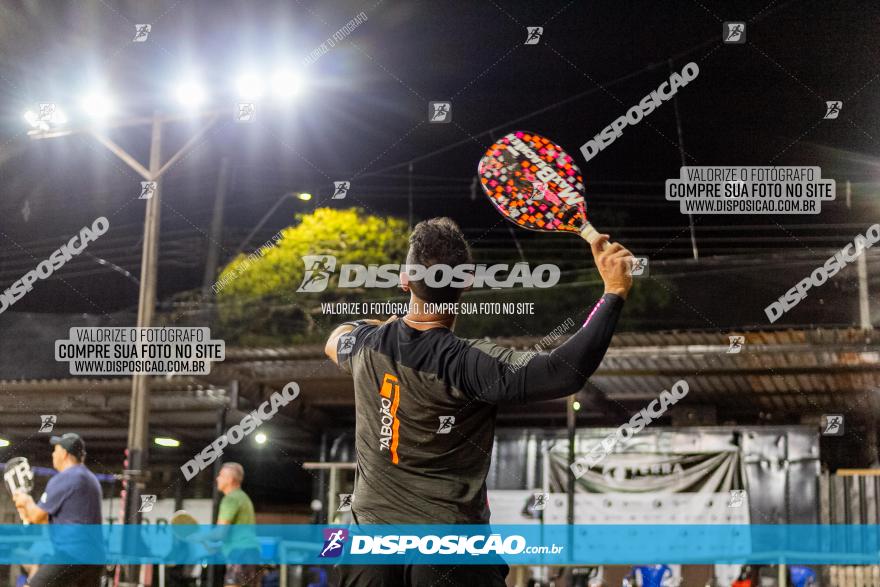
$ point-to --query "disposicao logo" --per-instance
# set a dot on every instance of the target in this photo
(334, 541)
(320, 268)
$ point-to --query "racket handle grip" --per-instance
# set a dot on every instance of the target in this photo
(590, 234)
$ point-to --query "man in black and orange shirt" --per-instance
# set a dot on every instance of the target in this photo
(413, 376)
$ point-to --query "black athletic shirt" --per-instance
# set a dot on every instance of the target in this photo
(426, 403)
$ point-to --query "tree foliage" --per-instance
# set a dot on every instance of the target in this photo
(257, 292)
(258, 303)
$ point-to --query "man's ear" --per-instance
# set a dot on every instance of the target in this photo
(404, 281)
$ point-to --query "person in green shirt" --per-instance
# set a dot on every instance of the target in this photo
(241, 544)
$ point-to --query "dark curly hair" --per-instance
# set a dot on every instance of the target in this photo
(433, 242)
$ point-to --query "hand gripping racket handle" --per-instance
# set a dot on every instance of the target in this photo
(590, 234)
(24, 520)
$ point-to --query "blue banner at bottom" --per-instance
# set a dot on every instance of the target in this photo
(441, 544)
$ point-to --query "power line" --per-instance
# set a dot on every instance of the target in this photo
(510, 123)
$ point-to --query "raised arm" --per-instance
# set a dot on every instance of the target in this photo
(495, 375)
(331, 347)
(332, 342)
(28, 510)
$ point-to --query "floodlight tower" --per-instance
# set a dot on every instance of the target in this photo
(50, 121)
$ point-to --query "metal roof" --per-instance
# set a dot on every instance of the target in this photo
(801, 373)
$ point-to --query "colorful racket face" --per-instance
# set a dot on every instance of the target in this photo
(535, 184)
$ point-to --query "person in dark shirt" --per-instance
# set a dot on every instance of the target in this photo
(73, 496)
(426, 402)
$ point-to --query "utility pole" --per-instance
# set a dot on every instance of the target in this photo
(683, 163)
(259, 225)
(410, 197)
(139, 417)
(864, 306)
(571, 424)
(134, 476)
(216, 229)
(570, 419)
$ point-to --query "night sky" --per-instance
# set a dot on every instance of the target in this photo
(363, 117)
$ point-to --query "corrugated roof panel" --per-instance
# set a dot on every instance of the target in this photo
(833, 363)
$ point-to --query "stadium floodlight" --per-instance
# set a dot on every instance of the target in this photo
(98, 104)
(164, 441)
(42, 119)
(249, 86)
(4, 442)
(31, 117)
(285, 84)
(260, 438)
(305, 197)
(58, 117)
(190, 93)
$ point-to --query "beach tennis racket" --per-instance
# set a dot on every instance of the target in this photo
(18, 477)
(535, 184)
